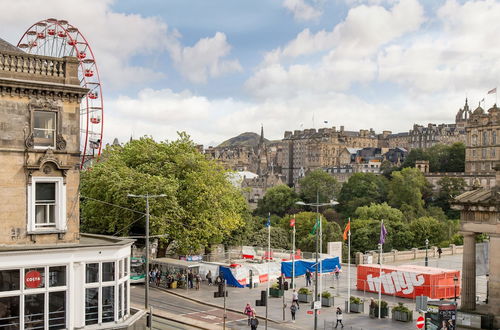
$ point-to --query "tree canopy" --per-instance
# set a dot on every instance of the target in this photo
(200, 205)
(277, 200)
(442, 158)
(320, 183)
(362, 189)
(406, 190)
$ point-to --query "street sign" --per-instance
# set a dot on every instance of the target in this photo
(317, 305)
(420, 322)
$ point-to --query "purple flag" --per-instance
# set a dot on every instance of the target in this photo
(383, 233)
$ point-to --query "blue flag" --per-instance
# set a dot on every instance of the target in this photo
(383, 233)
(268, 223)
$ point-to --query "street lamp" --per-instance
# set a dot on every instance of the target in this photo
(146, 295)
(316, 293)
(426, 256)
(455, 281)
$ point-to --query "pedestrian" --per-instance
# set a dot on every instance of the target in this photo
(197, 279)
(295, 298)
(337, 272)
(254, 322)
(218, 280)
(209, 277)
(308, 277)
(440, 251)
(293, 310)
(339, 317)
(190, 279)
(248, 311)
(158, 278)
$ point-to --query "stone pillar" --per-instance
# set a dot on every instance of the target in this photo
(494, 278)
(468, 293)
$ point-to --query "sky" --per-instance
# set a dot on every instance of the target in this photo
(218, 68)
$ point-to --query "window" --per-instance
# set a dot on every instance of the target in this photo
(44, 129)
(45, 204)
(32, 302)
(47, 207)
(106, 292)
(485, 138)
(494, 137)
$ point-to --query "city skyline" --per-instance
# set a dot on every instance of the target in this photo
(353, 63)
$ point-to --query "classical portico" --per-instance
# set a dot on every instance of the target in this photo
(480, 213)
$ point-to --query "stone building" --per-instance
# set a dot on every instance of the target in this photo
(51, 276)
(480, 213)
(483, 140)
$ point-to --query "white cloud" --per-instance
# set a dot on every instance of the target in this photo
(204, 59)
(350, 48)
(301, 10)
(115, 38)
(462, 57)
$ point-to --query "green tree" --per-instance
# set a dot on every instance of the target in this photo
(413, 156)
(362, 189)
(280, 238)
(427, 228)
(305, 237)
(201, 205)
(449, 188)
(277, 200)
(320, 183)
(406, 191)
(379, 212)
(441, 157)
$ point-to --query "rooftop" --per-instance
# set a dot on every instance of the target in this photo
(5, 46)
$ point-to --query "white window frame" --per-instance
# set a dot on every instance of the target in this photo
(60, 207)
(53, 146)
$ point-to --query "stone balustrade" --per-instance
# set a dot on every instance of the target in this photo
(41, 68)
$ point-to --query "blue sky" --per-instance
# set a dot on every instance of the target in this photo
(222, 67)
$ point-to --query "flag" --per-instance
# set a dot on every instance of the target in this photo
(268, 223)
(326, 121)
(493, 91)
(347, 229)
(292, 222)
(316, 225)
(481, 100)
(383, 233)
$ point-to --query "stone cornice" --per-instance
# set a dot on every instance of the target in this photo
(26, 88)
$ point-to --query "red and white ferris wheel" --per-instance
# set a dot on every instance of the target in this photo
(58, 38)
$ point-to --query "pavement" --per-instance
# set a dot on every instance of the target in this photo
(207, 312)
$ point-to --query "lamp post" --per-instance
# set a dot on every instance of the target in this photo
(316, 293)
(146, 295)
(455, 281)
(426, 256)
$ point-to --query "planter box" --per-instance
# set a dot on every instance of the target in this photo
(383, 311)
(305, 298)
(276, 293)
(356, 308)
(402, 316)
(327, 302)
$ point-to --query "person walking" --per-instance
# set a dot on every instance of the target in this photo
(197, 279)
(339, 317)
(293, 310)
(209, 277)
(440, 251)
(248, 311)
(190, 279)
(308, 277)
(295, 298)
(254, 322)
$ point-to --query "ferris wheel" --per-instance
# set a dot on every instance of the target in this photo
(58, 38)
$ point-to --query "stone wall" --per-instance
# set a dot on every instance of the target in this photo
(413, 254)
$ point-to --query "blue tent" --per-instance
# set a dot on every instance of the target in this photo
(229, 277)
(327, 266)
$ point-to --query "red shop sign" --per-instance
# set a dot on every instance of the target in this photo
(33, 279)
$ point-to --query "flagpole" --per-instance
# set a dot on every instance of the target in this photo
(293, 256)
(349, 269)
(320, 256)
(268, 260)
(380, 273)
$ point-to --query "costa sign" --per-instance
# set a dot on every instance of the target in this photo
(33, 279)
(408, 281)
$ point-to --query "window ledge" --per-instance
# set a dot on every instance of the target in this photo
(46, 231)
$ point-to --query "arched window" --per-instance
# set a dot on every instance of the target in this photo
(485, 138)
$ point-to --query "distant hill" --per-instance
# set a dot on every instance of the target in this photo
(247, 139)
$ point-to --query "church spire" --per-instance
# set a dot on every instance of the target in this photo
(261, 141)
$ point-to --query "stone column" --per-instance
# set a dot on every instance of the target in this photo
(468, 293)
(494, 278)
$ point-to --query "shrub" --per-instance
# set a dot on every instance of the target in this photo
(355, 300)
(275, 286)
(304, 291)
(326, 294)
(400, 308)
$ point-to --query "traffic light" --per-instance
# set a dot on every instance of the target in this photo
(285, 285)
(263, 299)
(280, 282)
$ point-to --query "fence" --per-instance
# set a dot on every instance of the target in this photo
(395, 255)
